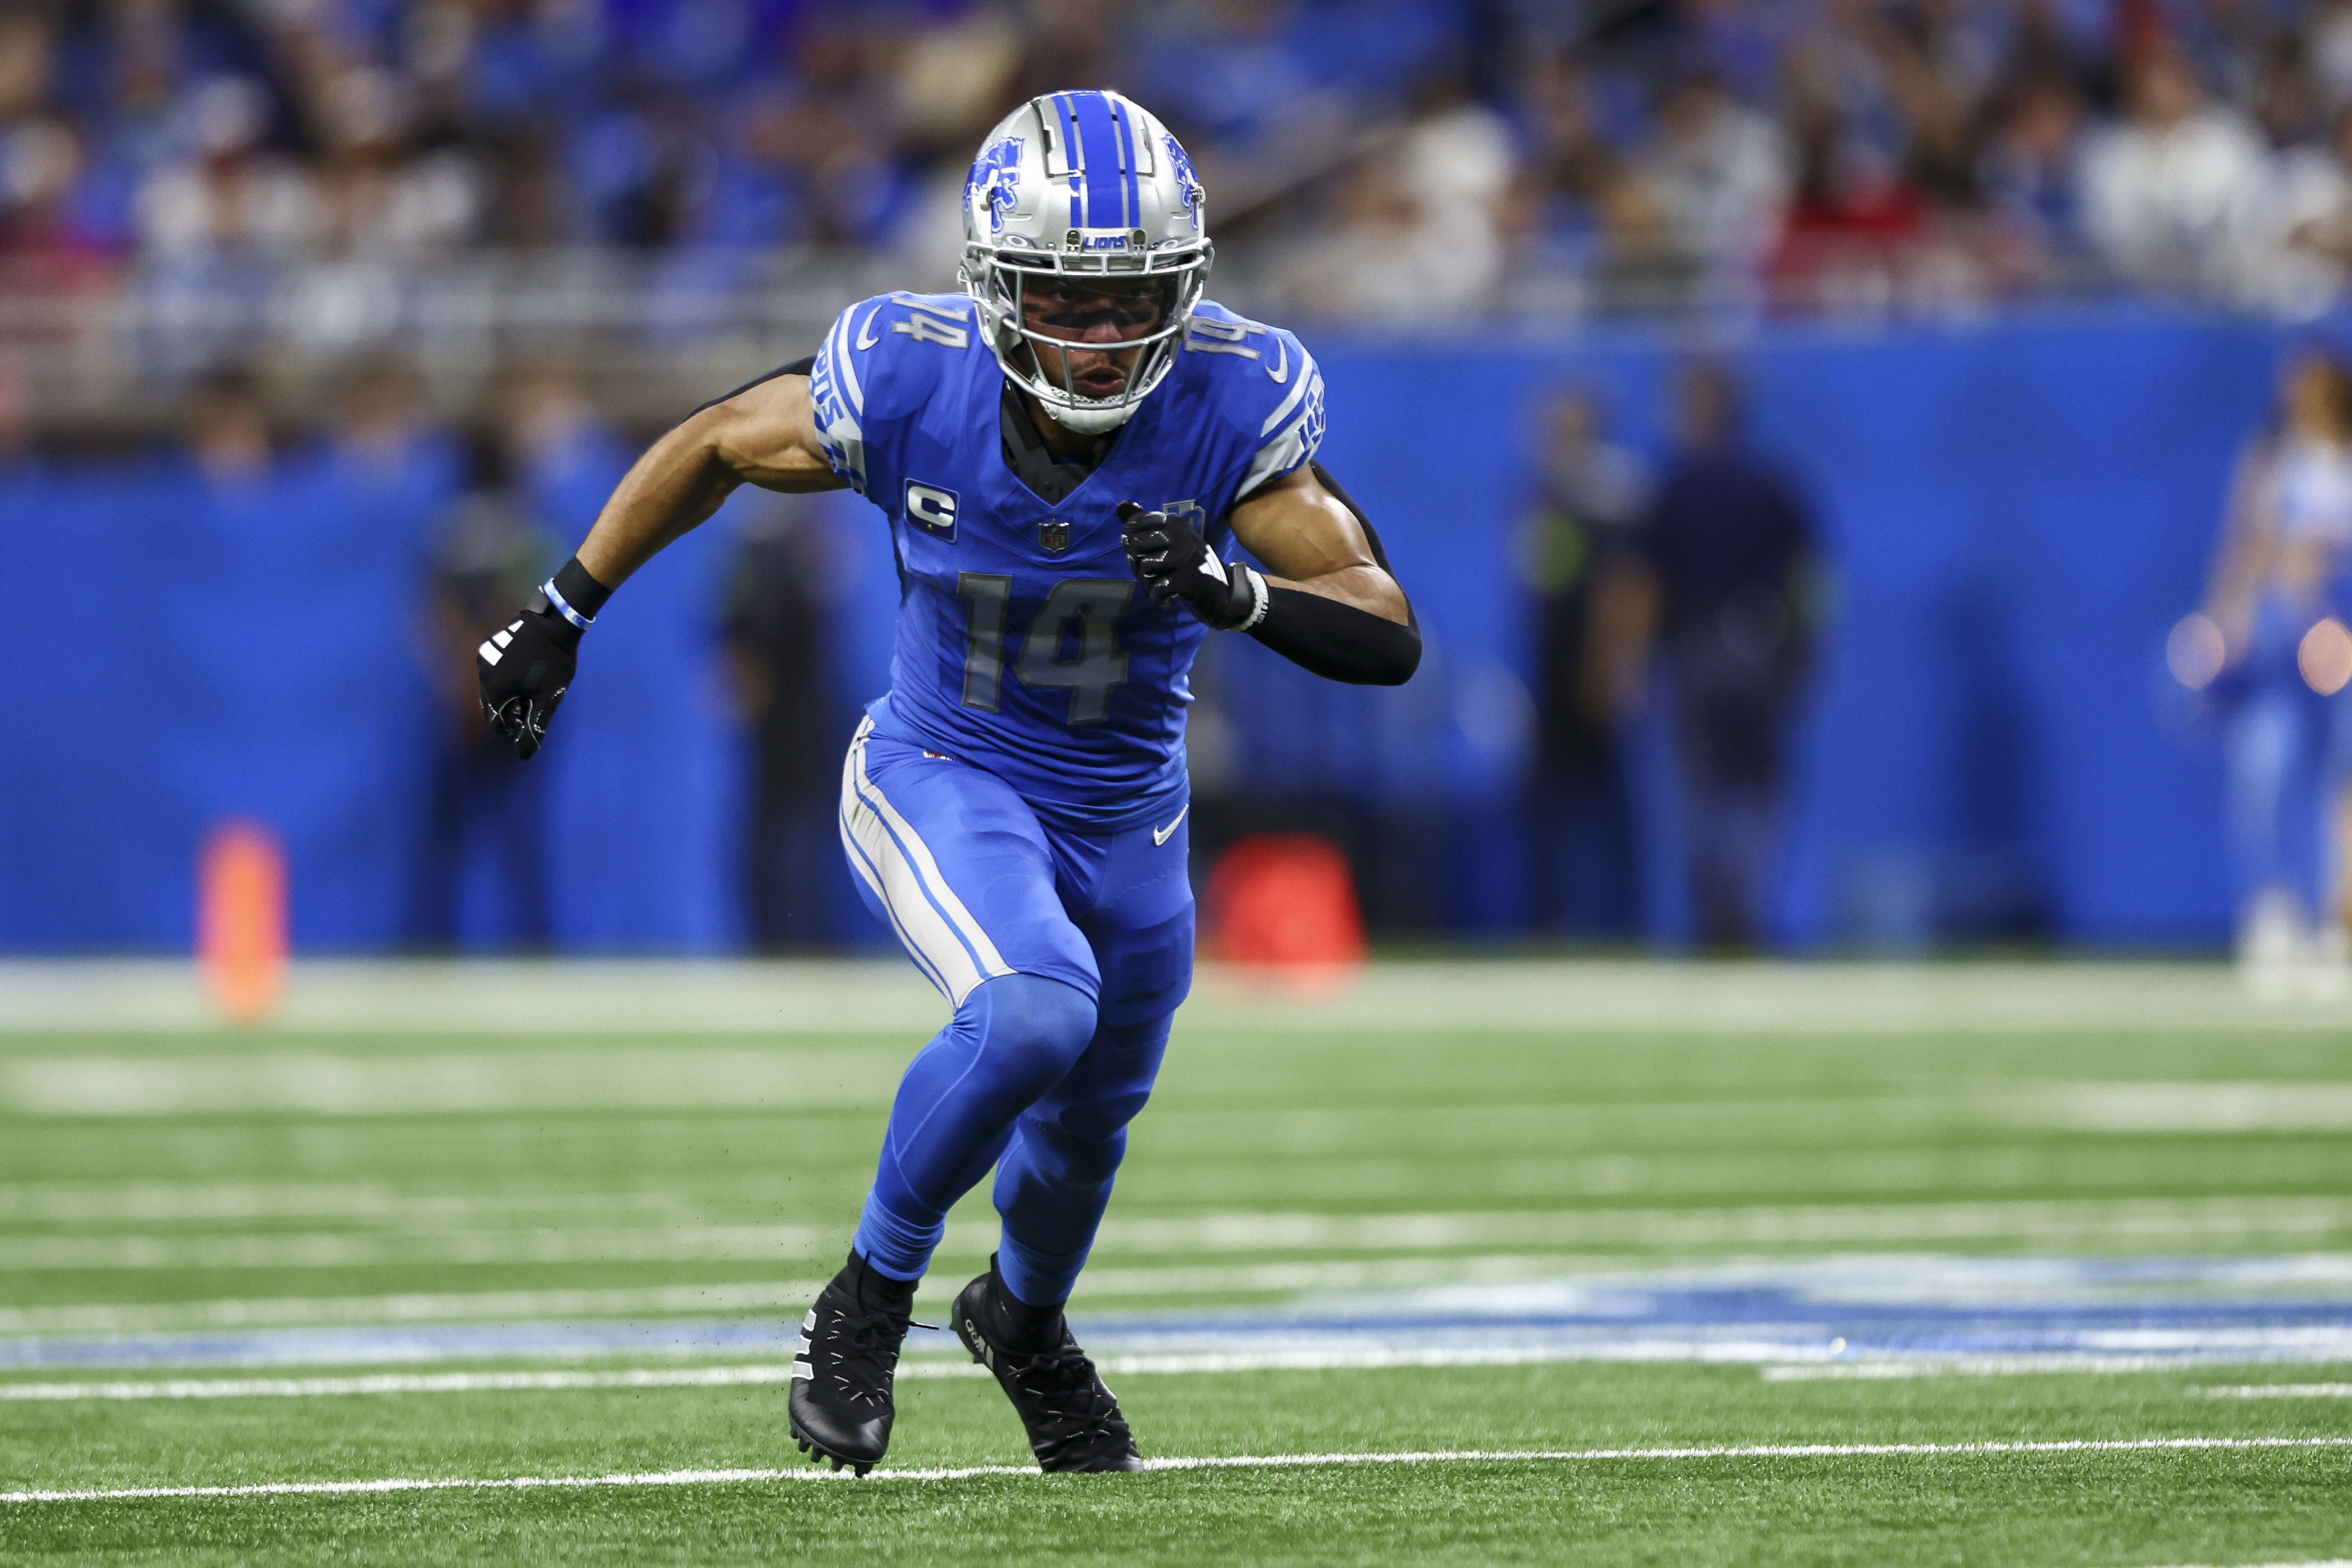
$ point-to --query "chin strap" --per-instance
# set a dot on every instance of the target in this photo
(1100, 421)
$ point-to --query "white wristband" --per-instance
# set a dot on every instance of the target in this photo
(1260, 593)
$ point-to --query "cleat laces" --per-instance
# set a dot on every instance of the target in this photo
(863, 1348)
(1082, 1418)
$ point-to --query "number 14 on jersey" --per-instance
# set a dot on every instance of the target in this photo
(1073, 644)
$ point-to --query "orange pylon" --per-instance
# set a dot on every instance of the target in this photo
(241, 919)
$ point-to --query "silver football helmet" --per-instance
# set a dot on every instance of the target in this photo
(1089, 188)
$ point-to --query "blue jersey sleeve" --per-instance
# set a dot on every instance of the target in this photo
(1290, 432)
(874, 374)
(1267, 391)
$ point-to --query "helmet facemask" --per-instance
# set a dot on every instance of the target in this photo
(1150, 297)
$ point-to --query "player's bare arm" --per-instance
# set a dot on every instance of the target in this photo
(765, 435)
(1314, 543)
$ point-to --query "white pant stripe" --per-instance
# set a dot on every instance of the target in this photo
(933, 923)
(922, 930)
(927, 869)
(865, 870)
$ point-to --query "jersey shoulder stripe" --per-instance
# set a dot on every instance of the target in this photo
(880, 361)
(1265, 382)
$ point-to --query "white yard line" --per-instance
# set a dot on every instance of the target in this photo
(411, 1382)
(918, 1369)
(1532, 1281)
(2128, 1107)
(2281, 1391)
(151, 1201)
(2100, 1224)
(2089, 1222)
(387, 1312)
(888, 998)
(543, 1080)
(740, 1298)
(549, 1244)
(1896, 1370)
(764, 1373)
(1239, 1462)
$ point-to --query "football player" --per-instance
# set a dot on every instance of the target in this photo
(1061, 451)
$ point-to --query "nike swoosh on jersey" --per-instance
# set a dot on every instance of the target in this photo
(1160, 835)
(866, 340)
(1280, 369)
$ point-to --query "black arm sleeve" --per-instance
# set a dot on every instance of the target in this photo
(1337, 641)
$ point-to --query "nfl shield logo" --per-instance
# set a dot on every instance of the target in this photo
(1054, 535)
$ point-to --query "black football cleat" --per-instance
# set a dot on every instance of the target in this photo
(1073, 1421)
(840, 1404)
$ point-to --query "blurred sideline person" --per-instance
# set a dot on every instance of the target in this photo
(779, 629)
(17, 450)
(228, 432)
(2278, 596)
(1578, 553)
(1061, 450)
(379, 433)
(1729, 546)
(492, 551)
(479, 544)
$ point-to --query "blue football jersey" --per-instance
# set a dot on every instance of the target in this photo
(1025, 644)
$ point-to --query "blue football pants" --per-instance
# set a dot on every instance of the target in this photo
(1064, 956)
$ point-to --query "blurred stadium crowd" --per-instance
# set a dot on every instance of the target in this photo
(324, 313)
(333, 175)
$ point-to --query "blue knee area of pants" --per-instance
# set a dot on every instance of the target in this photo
(1015, 1037)
(1055, 1177)
(1063, 1184)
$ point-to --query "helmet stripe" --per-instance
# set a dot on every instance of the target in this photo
(1130, 206)
(1073, 155)
(1101, 164)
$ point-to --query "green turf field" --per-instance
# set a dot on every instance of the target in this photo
(412, 1158)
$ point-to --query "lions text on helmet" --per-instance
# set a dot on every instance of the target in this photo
(1087, 247)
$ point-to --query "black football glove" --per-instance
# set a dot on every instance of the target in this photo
(1173, 561)
(525, 669)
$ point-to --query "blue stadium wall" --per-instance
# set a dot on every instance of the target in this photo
(2015, 513)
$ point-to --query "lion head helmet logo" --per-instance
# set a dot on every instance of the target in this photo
(995, 175)
(1195, 197)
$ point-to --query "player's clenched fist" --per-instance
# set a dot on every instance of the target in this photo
(526, 667)
(1173, 561)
